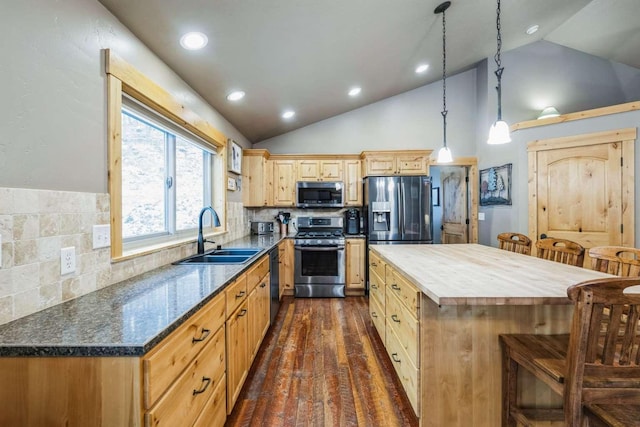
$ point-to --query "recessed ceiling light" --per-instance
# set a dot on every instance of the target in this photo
(354, 91)
(193, 41)
(532, 29)
(422, 68)
(236, 95)
(288, 114)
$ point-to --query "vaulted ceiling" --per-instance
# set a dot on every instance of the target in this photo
(305, 55)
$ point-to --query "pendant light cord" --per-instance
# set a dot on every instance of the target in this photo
(444, 78)
(498, 60)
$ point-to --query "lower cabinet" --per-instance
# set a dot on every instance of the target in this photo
(192, 377)
(285, 258)
(394, 307)
(355, 268)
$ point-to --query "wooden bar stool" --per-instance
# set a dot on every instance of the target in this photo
(618, 260)
(595, 365)
(515, 242)
(560, 250)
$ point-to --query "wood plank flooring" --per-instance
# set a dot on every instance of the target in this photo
(322, 364)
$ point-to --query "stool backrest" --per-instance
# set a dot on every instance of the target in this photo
(618, 260)
(603, 359)
(515, 242)
(560, 250)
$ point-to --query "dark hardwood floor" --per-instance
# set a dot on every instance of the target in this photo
(322, 364)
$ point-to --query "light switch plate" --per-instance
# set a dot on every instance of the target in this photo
(101, 236)
(67, 260)
(480, 216)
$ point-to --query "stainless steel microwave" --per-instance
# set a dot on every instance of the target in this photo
(312, 194)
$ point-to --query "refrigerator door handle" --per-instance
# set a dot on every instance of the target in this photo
(401, 207)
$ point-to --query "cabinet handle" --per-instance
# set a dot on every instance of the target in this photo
(240, 295)
(374, 264)
(242, 312)
(206, 381)
(263, 285)
(394, 317)
(394, 356)
(373, 314)
(374, 286)
(205, 334)
(395, 287)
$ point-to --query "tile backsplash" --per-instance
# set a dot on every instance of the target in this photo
(36, 224)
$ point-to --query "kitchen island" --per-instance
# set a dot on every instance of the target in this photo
(468, 295)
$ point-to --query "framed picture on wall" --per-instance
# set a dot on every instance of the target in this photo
(435, 196)
(235, 157)
(495, 185)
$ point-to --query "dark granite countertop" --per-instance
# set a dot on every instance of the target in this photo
(127, 318)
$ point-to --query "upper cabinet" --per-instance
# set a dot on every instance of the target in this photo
(353, 182)
(407, 162)
(320, 170)
(256, 179)
(284, 182)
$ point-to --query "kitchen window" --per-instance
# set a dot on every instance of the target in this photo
(165, 164)
(165, 177)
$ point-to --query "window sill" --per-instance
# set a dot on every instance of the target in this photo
(151, 249)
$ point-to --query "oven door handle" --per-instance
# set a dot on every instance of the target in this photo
(319, 248)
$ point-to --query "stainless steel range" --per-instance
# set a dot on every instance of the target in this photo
(319, 268)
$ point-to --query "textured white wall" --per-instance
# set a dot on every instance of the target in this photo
(53, 109)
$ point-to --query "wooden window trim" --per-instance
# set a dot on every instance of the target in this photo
(123, 78)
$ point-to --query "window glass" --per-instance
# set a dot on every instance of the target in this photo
(143, 178)
(190, 165)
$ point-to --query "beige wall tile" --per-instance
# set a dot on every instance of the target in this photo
(25, 277)
(26, 227)
(25, 252)
(49, 224)
(49, 271)
(6, 309)
(6, 228)
(27, 302)
(48, 248)
(6, 284)
(7, 255)
(6, 201)
(25, 201)
(50, 295)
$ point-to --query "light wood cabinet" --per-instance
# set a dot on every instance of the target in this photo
(352, 183)
(285, 258)
(256, 179)
(394, 307)
(284, 182)
(355, 258)
(320, 170)
(407, 162)
(257, 306)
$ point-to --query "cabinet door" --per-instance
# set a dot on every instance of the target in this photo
(286, 267)
(264, 292)
(254, 184)
(253, 324)
(308, 170)
(284, 182)
(331, 170)
(353, 183)
(355, 266)
(412, 164)
(381, 164)
(237, 354)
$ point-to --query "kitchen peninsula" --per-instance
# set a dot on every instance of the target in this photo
(459, 298)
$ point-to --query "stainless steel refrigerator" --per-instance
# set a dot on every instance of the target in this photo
(397, 209)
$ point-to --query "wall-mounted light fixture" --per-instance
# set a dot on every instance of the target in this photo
(548, 112)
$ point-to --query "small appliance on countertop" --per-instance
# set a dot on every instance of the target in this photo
(261, 227)
(352, 221)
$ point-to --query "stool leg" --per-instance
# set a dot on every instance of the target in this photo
(509, 388)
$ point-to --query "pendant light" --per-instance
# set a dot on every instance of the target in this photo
(444, 155)
(499, 132)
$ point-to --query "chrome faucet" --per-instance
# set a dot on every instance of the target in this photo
(216, 223)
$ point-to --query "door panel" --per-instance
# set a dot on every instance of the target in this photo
(454, 204)
(579, 194)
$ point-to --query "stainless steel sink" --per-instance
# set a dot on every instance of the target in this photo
(222, 257)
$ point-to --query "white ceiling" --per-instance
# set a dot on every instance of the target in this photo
(305, 54)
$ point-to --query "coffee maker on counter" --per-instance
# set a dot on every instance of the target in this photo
(352, 221)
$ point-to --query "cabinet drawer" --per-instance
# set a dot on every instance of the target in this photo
(165, 362)
(186, 398)
(257, 272)
(214, 413)
(377, 316)
(405, 326)
(405, 291)
(236, 294)
(409, 375)
(376, 288)
(376, 264)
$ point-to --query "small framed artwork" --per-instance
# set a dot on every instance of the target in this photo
(435, 196)
(235, 157)
(231, 184)
(495, 185)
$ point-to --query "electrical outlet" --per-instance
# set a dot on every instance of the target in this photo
(101, 236)
(480, 216)
(67, 260)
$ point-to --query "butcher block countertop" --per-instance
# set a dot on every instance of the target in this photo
(472, 274)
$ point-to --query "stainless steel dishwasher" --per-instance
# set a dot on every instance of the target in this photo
(274, 276)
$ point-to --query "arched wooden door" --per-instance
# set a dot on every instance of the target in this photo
(581, 188)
